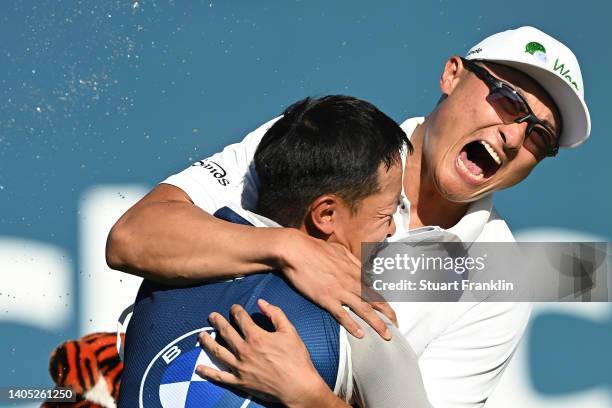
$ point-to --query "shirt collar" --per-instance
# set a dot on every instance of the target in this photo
(255, 219)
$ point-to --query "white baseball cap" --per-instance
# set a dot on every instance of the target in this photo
(552, 65)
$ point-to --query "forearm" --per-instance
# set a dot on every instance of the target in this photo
(177, 242)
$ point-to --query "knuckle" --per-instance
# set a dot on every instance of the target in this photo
(243, 351)
(208, 346)
(246, 354)
(206, 342)
(216, 376)
(216, 351)
(204, 372)
(367, 308)
(378, 325)
(340, 314)
(222, 328)
(255, 339)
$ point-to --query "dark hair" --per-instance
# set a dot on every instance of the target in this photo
(334, 144)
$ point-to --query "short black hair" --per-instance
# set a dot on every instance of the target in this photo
(334, 144)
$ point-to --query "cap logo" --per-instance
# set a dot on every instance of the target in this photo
(565, 73)
(537, 50)
(476, 51)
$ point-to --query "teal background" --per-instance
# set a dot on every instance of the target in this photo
(95, 92)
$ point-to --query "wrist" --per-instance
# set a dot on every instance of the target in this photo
(281, 247)
(317, 396)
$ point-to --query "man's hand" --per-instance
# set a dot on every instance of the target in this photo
(271, 366)
(330, 276)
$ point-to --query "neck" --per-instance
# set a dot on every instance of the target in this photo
(427, 206)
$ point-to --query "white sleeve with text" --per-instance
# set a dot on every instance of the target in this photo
(227, 177)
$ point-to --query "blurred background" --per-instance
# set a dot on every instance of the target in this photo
(101, 100)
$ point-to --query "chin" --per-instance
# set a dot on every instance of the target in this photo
(457, 191)
(463, 197)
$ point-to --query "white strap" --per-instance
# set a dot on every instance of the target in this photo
(122, 323)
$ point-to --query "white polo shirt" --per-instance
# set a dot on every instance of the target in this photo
(462, 347)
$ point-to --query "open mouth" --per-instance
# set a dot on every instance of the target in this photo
(478, 161)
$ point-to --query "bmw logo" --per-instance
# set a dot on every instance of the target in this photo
(170, 380)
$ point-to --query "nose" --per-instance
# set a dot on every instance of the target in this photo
(513, 135)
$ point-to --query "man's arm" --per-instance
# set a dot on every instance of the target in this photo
(385, 373)
(171, 237)
(166, 238)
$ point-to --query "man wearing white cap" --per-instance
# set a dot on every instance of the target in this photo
(514, 99)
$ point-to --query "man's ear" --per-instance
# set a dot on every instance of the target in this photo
(452, 74)
(322, 215)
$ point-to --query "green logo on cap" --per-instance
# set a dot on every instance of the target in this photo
(534, 47)
(537, 50)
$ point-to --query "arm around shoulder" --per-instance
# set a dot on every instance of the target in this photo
(166, 238)
(171, 237)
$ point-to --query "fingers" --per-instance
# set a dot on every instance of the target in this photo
(217, 351)
(225, 330)
(387, 310)
(346, 321)
(220, 354)
(245, 322)
(367, 313)
(276, 315)
(215, 375)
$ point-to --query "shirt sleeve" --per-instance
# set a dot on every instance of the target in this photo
(227, 177)
(385, 373)
(462, 366)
